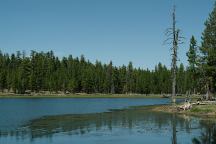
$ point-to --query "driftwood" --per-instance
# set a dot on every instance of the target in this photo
(188, 105)
(204, 103)
(166, 96)
(185, 106)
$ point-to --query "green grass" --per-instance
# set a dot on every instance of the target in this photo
(203, 109)
(208, 110)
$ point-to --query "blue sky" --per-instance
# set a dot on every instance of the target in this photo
(117, 30)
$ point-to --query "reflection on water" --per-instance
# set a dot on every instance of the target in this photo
(81, 124)
(174, 137)
(16, 112)
(208, 134)
(120, 126)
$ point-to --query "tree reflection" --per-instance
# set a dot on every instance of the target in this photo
(138, 120)
(208, 134)
(173, 121)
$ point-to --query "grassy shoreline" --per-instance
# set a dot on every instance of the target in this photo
(208, 110)
(83, 95)
(79, 96)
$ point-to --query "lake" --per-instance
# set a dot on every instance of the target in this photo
(98, 121)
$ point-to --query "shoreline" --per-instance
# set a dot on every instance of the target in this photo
(81, 95)
(208, 110)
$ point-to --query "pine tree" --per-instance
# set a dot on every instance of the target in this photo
(192, 59)
(180, 79)
(3, 81)
(109, 82)
(129, 78)
(23, 76)
(208, 50)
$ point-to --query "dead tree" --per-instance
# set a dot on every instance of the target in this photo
(173, 39)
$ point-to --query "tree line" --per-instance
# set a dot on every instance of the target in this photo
(46, 72)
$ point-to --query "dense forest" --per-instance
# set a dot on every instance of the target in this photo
(46, 72)
(43, 71)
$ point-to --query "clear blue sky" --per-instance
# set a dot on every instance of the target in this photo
(117, 30)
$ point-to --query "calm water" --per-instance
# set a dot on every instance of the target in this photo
(91, 121)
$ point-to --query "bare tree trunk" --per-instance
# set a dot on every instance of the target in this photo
(174, 39)
(173, 89)
(174, 57)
